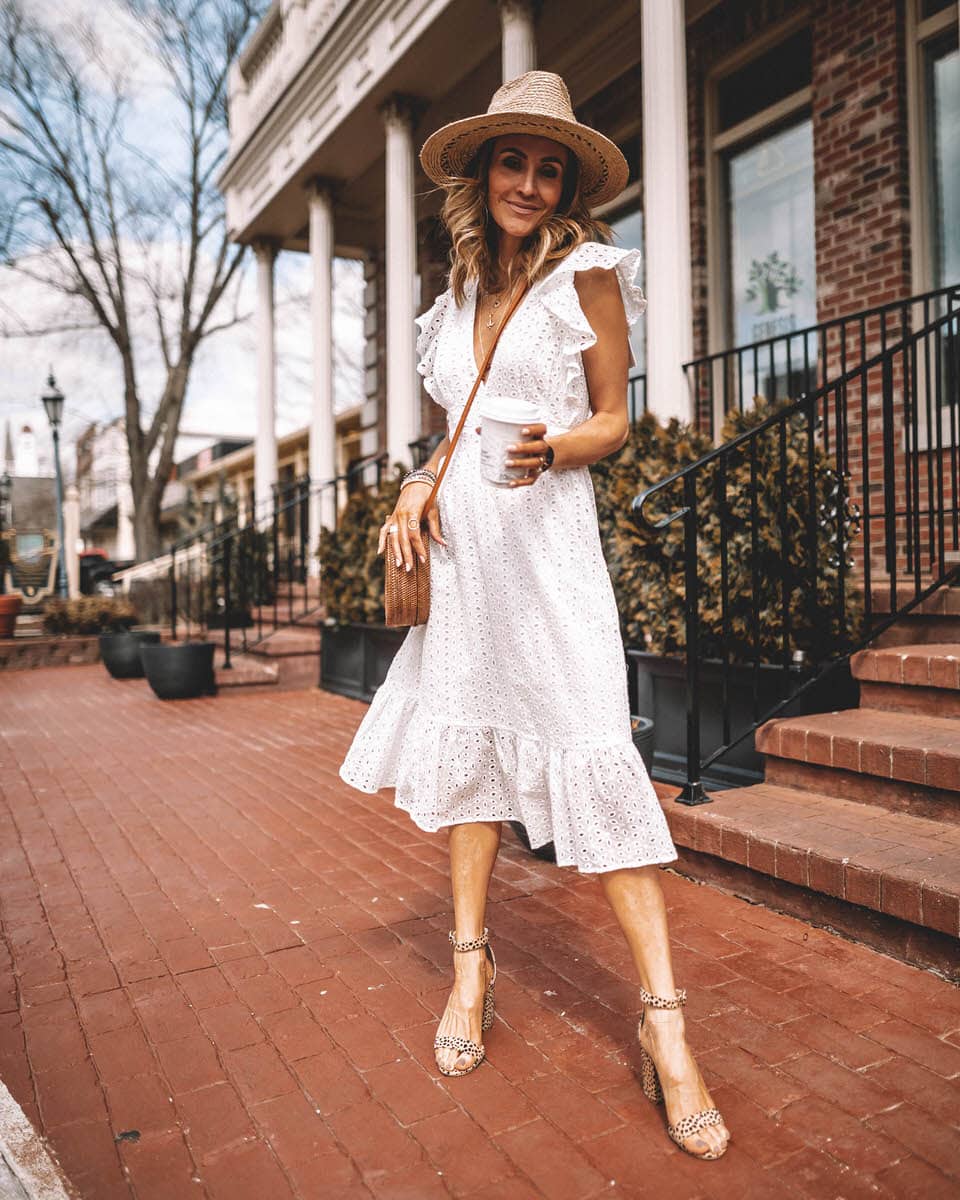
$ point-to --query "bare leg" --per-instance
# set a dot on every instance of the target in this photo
(637, 901)
(473, 853)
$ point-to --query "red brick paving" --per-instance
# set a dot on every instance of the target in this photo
(209, 939)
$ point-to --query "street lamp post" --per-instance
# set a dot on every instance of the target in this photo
(53, 404)
(6, 491)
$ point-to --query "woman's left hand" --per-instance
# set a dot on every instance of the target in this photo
(529, 453)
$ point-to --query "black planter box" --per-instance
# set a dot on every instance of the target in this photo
(180, 672)
(658, 690)
(120, 652)
(355, 658)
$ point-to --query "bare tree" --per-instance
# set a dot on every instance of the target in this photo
(108, 197)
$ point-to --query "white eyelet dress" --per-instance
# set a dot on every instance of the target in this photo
(510, 703)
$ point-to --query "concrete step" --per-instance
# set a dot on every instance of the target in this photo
(244, 672)
(891, 879)
(905, 762)
(284, 612)
(273, 641)
(915, 678)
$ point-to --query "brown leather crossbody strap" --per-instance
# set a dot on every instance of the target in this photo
(484, 368)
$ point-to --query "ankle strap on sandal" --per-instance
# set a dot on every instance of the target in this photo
(477, 943)
(650, 1001)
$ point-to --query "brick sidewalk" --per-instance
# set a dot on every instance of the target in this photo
(212, 941)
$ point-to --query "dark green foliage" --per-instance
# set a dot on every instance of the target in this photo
(351, 571)
(647, 567)
(89, 614)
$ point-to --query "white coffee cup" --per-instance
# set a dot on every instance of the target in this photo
(501, 419)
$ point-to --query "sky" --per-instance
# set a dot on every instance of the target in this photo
(221, 398)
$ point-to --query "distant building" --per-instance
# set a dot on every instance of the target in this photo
(25, 452)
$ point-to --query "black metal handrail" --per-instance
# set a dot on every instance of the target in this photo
(789, 364)
(866, 467)
(256, 578)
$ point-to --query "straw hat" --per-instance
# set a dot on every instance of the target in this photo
(537, 102)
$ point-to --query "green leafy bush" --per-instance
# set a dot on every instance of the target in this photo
(646, 567)
(351, 571)
(89, 614)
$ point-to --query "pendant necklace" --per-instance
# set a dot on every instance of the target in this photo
(495, 304)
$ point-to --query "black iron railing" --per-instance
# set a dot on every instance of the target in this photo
(250, 580)
(805, 537)
(636, 395)
(789, 364)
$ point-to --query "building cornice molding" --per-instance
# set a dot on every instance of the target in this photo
(363, 41)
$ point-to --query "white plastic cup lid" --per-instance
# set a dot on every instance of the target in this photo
(508, 408)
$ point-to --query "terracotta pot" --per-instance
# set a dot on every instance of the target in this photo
(9, 611)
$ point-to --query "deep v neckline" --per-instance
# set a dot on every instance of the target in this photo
(472, 327)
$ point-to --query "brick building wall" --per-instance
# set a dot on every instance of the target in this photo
(861, 196)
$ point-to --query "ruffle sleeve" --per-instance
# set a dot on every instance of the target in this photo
(560, 298)
(430, 324)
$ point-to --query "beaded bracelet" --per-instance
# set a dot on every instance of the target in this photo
(419, 475)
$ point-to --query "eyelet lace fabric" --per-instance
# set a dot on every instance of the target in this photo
(511, 702)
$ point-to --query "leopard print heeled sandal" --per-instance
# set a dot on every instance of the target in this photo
(463, 1045)
(686, 1127)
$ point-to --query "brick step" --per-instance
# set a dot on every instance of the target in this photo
(945, 601)
(894, 795)
(912, 630)
(889, 878)
(914, 678)
(891, 745)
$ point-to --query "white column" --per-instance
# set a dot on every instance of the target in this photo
(403, 392)
(323, 434)
(265, 444)
(126, 546)
(518, 47)
(666, 208)
(71, 539)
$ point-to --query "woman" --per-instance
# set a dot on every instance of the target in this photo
(510, 703)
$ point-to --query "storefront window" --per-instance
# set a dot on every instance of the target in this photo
(771, 248)
(943, 90)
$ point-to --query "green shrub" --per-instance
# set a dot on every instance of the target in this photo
(89, 614)
(646, 567)
(351, 571)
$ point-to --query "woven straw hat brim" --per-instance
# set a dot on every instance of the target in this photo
(604, 172)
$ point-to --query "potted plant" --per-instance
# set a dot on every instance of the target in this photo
(357, 648)
(179, 670)
(120, 651)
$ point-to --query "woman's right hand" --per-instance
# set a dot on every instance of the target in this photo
(407, 541)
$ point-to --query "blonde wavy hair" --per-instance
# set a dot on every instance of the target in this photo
(473, 231)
